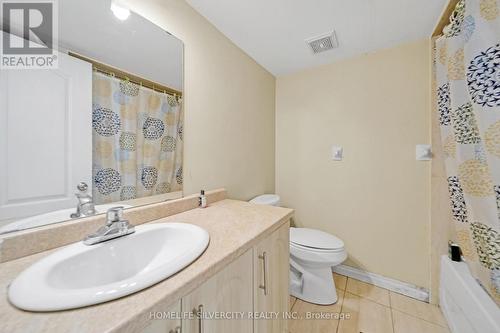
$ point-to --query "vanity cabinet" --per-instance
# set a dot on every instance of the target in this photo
(256, 283)
(271, 281)
(227, 293)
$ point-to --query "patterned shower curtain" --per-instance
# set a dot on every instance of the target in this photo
(467, 68)
(137, 141)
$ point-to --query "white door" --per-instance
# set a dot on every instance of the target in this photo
(45, 137)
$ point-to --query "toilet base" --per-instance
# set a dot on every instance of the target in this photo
(314, 285)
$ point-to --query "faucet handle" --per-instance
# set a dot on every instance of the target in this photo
(82, 187)
(114, 214)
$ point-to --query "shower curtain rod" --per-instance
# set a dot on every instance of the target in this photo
(444, 19)
(114, 72)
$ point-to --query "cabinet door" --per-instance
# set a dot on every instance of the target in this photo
(228, 292)
(271, 280)
(166, 321)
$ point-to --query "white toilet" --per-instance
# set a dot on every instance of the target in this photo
(313, 253)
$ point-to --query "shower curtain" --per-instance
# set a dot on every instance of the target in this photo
(467, 66)
(137, 141)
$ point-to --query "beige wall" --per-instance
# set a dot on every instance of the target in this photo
(229, 105)
(377, 106)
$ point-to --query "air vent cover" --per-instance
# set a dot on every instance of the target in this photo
(323, 43)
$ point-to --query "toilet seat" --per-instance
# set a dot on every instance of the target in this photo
(314, 249)
(312, 257)
(315, 240)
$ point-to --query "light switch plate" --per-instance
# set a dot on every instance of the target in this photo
(337, 153)
(423, 152)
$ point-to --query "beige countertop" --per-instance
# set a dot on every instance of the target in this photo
(234, 227)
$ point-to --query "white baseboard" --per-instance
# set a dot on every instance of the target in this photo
(396, 286)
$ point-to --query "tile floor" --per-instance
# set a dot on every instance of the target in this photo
(367, 309)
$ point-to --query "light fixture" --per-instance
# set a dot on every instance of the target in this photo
(121, 12)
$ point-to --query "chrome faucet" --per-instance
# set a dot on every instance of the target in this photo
(85, 205)
(115, 227)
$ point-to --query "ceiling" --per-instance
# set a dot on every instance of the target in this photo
(273, 31)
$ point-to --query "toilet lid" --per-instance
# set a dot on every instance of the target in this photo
(315, 239)
(266, 199)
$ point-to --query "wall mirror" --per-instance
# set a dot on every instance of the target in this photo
(103, 129)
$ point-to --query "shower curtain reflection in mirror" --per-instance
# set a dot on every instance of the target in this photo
(137, 140)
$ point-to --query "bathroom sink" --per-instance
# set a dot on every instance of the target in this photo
(50, 218)
(79, 275)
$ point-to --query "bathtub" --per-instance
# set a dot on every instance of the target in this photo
(466, 306)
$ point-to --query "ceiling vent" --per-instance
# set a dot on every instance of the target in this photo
(323, 43)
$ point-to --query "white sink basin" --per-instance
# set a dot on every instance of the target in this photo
(50, 218)
(79, 275)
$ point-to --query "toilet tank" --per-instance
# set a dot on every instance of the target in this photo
(267, 199)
